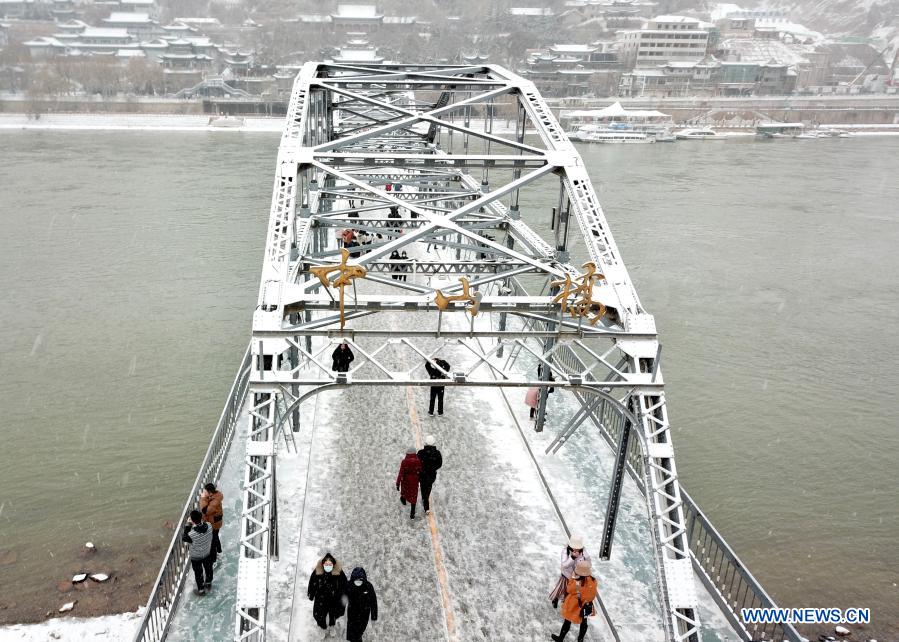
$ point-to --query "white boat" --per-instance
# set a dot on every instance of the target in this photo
(226, 121)
(615, 137)
(653, 123)
(703, 133)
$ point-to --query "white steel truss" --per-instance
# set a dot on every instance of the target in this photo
(412, 158)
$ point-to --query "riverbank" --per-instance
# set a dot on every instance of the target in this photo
(121, 626)
(139, 122)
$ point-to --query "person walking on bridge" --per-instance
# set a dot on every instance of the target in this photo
(362, 605)
(408, 478)
(437, 369)
(431, 461)
(198, 535)
(342, 357)
(327, 585)
(578, 604)
(572, 554)
(211, 506)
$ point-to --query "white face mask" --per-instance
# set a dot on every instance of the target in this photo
(328, 568)
(357, 582)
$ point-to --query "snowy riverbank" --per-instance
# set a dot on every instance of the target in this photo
(121, 626)
(137, 122)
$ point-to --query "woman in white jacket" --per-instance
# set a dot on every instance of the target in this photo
(572, 554)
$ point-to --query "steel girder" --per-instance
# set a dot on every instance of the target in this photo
(424, 140)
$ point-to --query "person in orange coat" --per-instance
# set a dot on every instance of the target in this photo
(407, 480)
(578, 604)
(211, 506)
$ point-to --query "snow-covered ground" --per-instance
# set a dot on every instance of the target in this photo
(74, 629)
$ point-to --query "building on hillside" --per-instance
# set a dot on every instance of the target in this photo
(574, 69)
(140, 6)
(138, 24)
(607, 15)
(356, 54)
(177, 30)
(709, 77)
(208, 26)
(44, 47)
(357, 17)
(664, 39)
(63, 10)
(99, 39)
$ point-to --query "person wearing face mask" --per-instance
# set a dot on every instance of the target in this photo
(578, 604)
(362, 605)
(572, 554)
(327, 586)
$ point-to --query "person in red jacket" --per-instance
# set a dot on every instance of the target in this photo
(407, 479)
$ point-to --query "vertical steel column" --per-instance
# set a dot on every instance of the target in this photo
(273, 512)
(608, 531)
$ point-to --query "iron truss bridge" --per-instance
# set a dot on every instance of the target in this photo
(438, 163)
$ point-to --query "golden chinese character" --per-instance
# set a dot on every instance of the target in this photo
(443, 301)
(345, 276)
(582, 291)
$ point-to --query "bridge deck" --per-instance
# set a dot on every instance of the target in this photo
(492, 518)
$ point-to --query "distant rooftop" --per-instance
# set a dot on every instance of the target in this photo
(104, 32)
(572, 49)
(199, 21)
(357, 11)
(530, 12)
(128, 17)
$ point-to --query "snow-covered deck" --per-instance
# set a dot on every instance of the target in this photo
(482, 564)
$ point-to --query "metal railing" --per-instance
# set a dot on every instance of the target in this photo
(725, 577)
(167, 590)
(728, 581)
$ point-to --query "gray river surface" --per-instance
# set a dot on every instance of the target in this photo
(129, 266)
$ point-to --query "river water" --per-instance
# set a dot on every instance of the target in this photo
(129, 268)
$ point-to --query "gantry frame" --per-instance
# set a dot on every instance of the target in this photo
(424, 139)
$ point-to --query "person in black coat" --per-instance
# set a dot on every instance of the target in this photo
(431, 461)
(341, 358)
(362, 604)
(437, 391)
(396, 267)
(327, 585)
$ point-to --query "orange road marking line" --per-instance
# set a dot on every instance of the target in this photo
(435, 532)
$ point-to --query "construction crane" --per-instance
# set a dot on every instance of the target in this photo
(871, 64)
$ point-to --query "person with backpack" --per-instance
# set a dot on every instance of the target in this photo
(327, 586)
(431, 461)
(211, 506)
(578, 604)
(198, 535)
(407, 479)
(435, 372)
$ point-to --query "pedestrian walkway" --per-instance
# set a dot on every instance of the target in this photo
(481, 566)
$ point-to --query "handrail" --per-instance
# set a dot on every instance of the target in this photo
(723, 574)
(166, 591)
